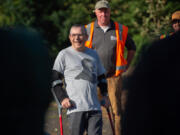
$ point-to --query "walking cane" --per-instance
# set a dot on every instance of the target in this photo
(109, 116)
(59, 113)
(110, 119)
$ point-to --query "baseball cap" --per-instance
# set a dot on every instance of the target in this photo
(176, 15)
(102, 4)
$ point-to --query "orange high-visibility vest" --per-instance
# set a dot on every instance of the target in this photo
(121, 35)
(164, 35)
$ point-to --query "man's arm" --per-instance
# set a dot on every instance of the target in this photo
(130, 56)
(57, 87)
(102, 84)
(131, 47)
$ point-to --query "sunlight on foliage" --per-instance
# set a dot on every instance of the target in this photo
(146, 19)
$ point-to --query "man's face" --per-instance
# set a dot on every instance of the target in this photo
(103, 16)
(77, 38)
(176, 25)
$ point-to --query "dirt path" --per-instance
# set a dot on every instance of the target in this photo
(52, 121)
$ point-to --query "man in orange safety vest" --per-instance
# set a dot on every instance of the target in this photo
(175, 21)
(109, 39)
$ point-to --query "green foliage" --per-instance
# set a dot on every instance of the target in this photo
(16, 12)
(146, 19)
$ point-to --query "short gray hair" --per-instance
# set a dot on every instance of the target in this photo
(83, 29)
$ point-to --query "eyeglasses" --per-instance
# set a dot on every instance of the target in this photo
(77, 35)
(175, 21)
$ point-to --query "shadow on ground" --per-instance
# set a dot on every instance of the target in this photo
(52, 121)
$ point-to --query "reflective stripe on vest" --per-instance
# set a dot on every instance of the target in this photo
(121, 40)
(121, 34)
(88, 43)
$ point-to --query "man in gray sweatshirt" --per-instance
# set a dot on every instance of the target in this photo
(82, 71)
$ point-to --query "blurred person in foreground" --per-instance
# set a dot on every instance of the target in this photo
(110, 38)
(154, 92)
(82, 71)
(175, 21)
(25, 82)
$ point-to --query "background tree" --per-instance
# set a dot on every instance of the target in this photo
(146, 19)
